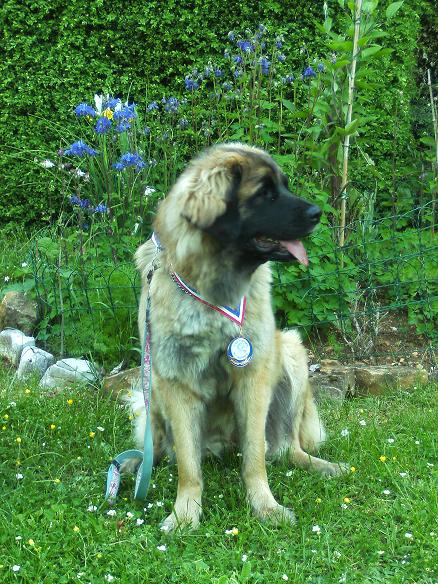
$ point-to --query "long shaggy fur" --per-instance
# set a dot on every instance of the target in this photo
(200, 402)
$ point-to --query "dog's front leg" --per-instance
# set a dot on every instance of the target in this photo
(184, 410)
(251, 398)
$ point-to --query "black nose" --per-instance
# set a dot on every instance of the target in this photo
(313, 213)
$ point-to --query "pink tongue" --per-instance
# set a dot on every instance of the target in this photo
(296, 248)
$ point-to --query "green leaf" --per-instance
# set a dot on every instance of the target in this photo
(370, 51)
(393, 9)
(427, 140)
(288, 104)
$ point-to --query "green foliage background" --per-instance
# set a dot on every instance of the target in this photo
(56, 54)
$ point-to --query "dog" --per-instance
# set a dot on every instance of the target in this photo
(229, 213)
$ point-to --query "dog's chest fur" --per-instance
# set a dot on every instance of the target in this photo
(192, 346)
(190, 339)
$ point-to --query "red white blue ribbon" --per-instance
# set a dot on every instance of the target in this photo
(237, 315)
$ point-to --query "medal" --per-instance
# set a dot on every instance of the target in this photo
(239, 351)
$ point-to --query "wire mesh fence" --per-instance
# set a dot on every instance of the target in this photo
(375, 299)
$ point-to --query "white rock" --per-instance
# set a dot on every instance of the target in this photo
(68, 371)
(34, 361)
(12, 343)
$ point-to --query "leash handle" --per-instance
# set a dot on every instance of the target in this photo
(145, 458)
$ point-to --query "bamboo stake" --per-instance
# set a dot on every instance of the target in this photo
(435, 164)
(346, 145)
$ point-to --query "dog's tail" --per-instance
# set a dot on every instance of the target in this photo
(311, 431)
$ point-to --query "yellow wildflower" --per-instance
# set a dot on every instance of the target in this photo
(18, 440)
(52, 427)
(347, 500)
(31, 542)
(382, 458)
(92, 434)
(76, 528)
(108, 113)
(57, 481)
(318, 500)
(353, 468)
(70, 402)
(27, 390)
(6, 417)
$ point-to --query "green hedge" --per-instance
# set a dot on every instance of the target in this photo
(57, 54)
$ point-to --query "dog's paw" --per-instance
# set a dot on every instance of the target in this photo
(333, 469)
(174, 523)
(277, 515)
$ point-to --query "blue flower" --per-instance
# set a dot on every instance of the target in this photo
(208, 71)
(264, 64)
(262, 28)
(245, 46)
(146, 131)
(288, 79)
(171, 105)
(84, 203)
(278, 43)
(237, 73)
(237, 59)
(152, 106)
(129, 159)
(101, 208)
(218, 72)
(231, 36)
(191, 84)
(126, 113)
(309, 72)
(112, 103)
(75, 200)
(183, 123)
(320, 67)
(83, 109)
(80, 149)
(281, 58)
(103, 125)
(123, 127)
(227, 86)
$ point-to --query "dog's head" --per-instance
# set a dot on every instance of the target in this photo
(239, 197)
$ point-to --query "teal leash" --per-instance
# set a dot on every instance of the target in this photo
(145, 458)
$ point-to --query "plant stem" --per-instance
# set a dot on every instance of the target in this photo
(435, 164)
(346, 145)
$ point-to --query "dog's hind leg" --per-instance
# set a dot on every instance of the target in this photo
(306, 430)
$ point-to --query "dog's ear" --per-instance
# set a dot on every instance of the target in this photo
(212, 192)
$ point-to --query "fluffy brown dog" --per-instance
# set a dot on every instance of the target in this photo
(228, 214)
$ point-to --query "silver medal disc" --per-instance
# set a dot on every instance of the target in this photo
(239, 351)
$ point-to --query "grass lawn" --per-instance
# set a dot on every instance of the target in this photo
(376, 524)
